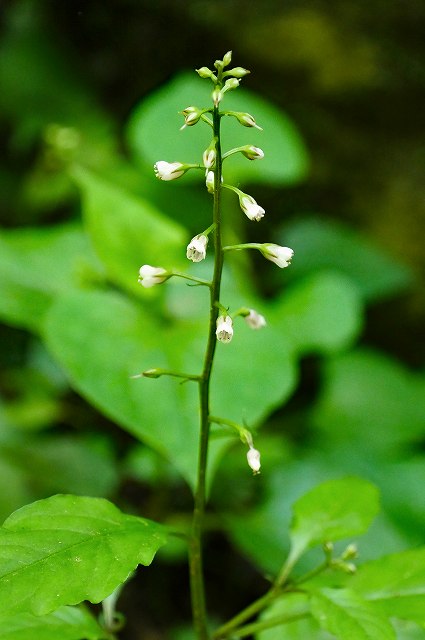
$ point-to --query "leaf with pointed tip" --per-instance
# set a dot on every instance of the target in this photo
(331, 511)
(67, 549)
(127, 231)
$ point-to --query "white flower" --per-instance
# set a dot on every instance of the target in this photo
(150, 276)
(253, 457)
(168, 170)
(224, 331)
(197, 248)
(250, 207)
(255, 320)
(281, 256)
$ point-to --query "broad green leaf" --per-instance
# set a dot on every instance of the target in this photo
(367, 396)
(111, 339)
(67, 549)
(329, 245)
(322, 313)
(127, 231)
(396, 583)
(67, 623)
(332, 511)
(35, 264)
(153, 133)
(349, 617)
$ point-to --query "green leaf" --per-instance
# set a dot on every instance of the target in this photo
(153, 133)
(324, 245)
(67, 549)
(127, 231)
(321, 314)
(67, 623)
(111, 339)
(367, 396)
(35, 264)
(348, 616)
(332, 511)
(396, 583)
(291, 604)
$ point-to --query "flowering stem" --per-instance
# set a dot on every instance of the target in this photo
(195, 545)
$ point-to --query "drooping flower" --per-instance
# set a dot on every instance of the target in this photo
(281, 256)
(150, 276)
(168, 170)
(249, 206)
(224, 331)
(253, 457)
(255, 320)
(197, 248)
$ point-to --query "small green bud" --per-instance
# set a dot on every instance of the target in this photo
(245, 119)
(152, 373)
(204, 72)
(350, 552)
(237, 72)
(231, 83)
(227, 58)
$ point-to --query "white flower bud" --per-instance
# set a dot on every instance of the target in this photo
(216, 97)
(253, 457)
(150, 276)
(281, 256)
(210, 181)
(208, 158)
(251, 209)
(224, 331)
(191, 116)
(252, 153)
(197, 248)
(169, 170)
(255, 320)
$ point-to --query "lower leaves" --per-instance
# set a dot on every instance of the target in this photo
(67, 549)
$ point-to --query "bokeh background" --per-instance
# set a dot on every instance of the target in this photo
(348, 77)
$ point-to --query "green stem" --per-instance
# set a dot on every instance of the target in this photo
(247, 613)
(195, 544)
(199, 281)
(254, 627)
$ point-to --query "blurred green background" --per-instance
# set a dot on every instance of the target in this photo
(89, 99)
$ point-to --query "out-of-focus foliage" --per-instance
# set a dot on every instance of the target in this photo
(88, 102)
